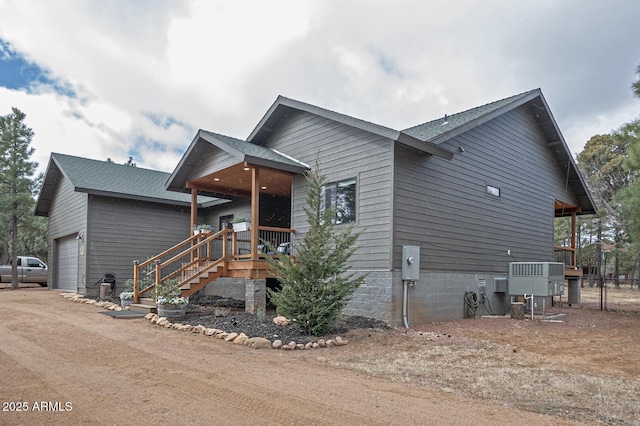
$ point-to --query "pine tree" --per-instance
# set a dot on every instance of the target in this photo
(16, 185)
(316, 287)
(635, 87)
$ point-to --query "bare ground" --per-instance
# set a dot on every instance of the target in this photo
(88, 368)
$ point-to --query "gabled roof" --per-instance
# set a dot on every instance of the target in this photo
(427, 137)
(450, 125)
(108, 179)
(242, 151)
(442, 129)
(252, 153)
(284, 106)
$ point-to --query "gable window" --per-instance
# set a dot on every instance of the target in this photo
(341, 196)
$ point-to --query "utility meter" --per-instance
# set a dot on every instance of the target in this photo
(411, 263)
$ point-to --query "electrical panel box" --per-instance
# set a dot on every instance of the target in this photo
(536, 278)
(411, 263)
(482, 286)
(500, 285)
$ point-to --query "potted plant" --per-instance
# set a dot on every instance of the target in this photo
(202, 229)
(170, 303)
(241, 224)
(126, 297)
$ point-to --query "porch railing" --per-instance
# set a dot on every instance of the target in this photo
(182, 262)
(202, 252)
(270, 240)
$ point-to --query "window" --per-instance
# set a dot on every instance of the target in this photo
(494, 191)
(341, 196)
(224, 220)
(34, 263)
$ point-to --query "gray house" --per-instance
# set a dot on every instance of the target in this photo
(104, 215)
(465, 195)
(472, 191)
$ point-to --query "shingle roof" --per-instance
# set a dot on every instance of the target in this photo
(256, 151)
(432, 129)
(109, 179)
(282, 107)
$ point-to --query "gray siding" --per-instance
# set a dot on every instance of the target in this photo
(67, 216)
(122, 231)
(240, 207)
(213, 159)
(344, 152)
(443, 206)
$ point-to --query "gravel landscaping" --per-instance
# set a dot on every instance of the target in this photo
(230, 316)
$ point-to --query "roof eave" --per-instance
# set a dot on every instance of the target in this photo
(428, 147)
(136, 197)
(176, 182)
(45, 195)
(437, 140)
(291, 168)
(265, 124)
(586, 197)
(179, 169)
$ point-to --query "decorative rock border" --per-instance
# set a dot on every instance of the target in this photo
(243, 339)
(75, 297)
(235, 338)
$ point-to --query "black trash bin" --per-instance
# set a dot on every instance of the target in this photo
(110, 278)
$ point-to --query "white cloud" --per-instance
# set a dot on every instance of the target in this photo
(53, 119)
(148, 75)
(579, 131)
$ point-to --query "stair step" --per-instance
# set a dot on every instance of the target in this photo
(141, 307)
(147, 301)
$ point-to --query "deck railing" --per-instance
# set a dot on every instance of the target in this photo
(181, 262)
(203, 251)
(271, 239)
(565, 255)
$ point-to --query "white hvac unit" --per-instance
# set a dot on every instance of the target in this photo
(536, 278)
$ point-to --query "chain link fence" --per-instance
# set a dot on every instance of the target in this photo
(623, 295)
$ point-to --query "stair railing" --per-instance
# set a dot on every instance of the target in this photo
(183, 261)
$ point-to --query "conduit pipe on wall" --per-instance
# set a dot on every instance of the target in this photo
(405, 302)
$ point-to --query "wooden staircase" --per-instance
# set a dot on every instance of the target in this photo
(199, 279)
(202, 277)
(201, 259)
(189, 262)
(146, 305)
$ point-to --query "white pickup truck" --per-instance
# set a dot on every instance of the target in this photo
(30, 270)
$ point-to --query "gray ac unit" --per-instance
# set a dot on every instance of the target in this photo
(536, 278)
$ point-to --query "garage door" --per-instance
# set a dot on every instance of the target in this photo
(67, 264)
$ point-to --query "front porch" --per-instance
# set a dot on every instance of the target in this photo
(206, 256)
(232, 171)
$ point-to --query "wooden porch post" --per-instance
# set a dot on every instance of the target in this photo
(573, 240)
(194, 208)
(255, 206)
(194, 215)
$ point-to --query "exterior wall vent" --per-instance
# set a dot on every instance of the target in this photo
(536, 278)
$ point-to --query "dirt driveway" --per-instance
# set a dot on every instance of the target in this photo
(65, 363)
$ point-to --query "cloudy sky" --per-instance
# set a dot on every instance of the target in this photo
(112, 79)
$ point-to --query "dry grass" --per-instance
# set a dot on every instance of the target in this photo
(622, 297)
(502, 373)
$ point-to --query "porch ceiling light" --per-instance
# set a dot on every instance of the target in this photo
(247, 169)
(264, 187)
(216, 179)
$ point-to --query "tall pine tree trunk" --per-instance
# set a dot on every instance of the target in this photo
(14, 249)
